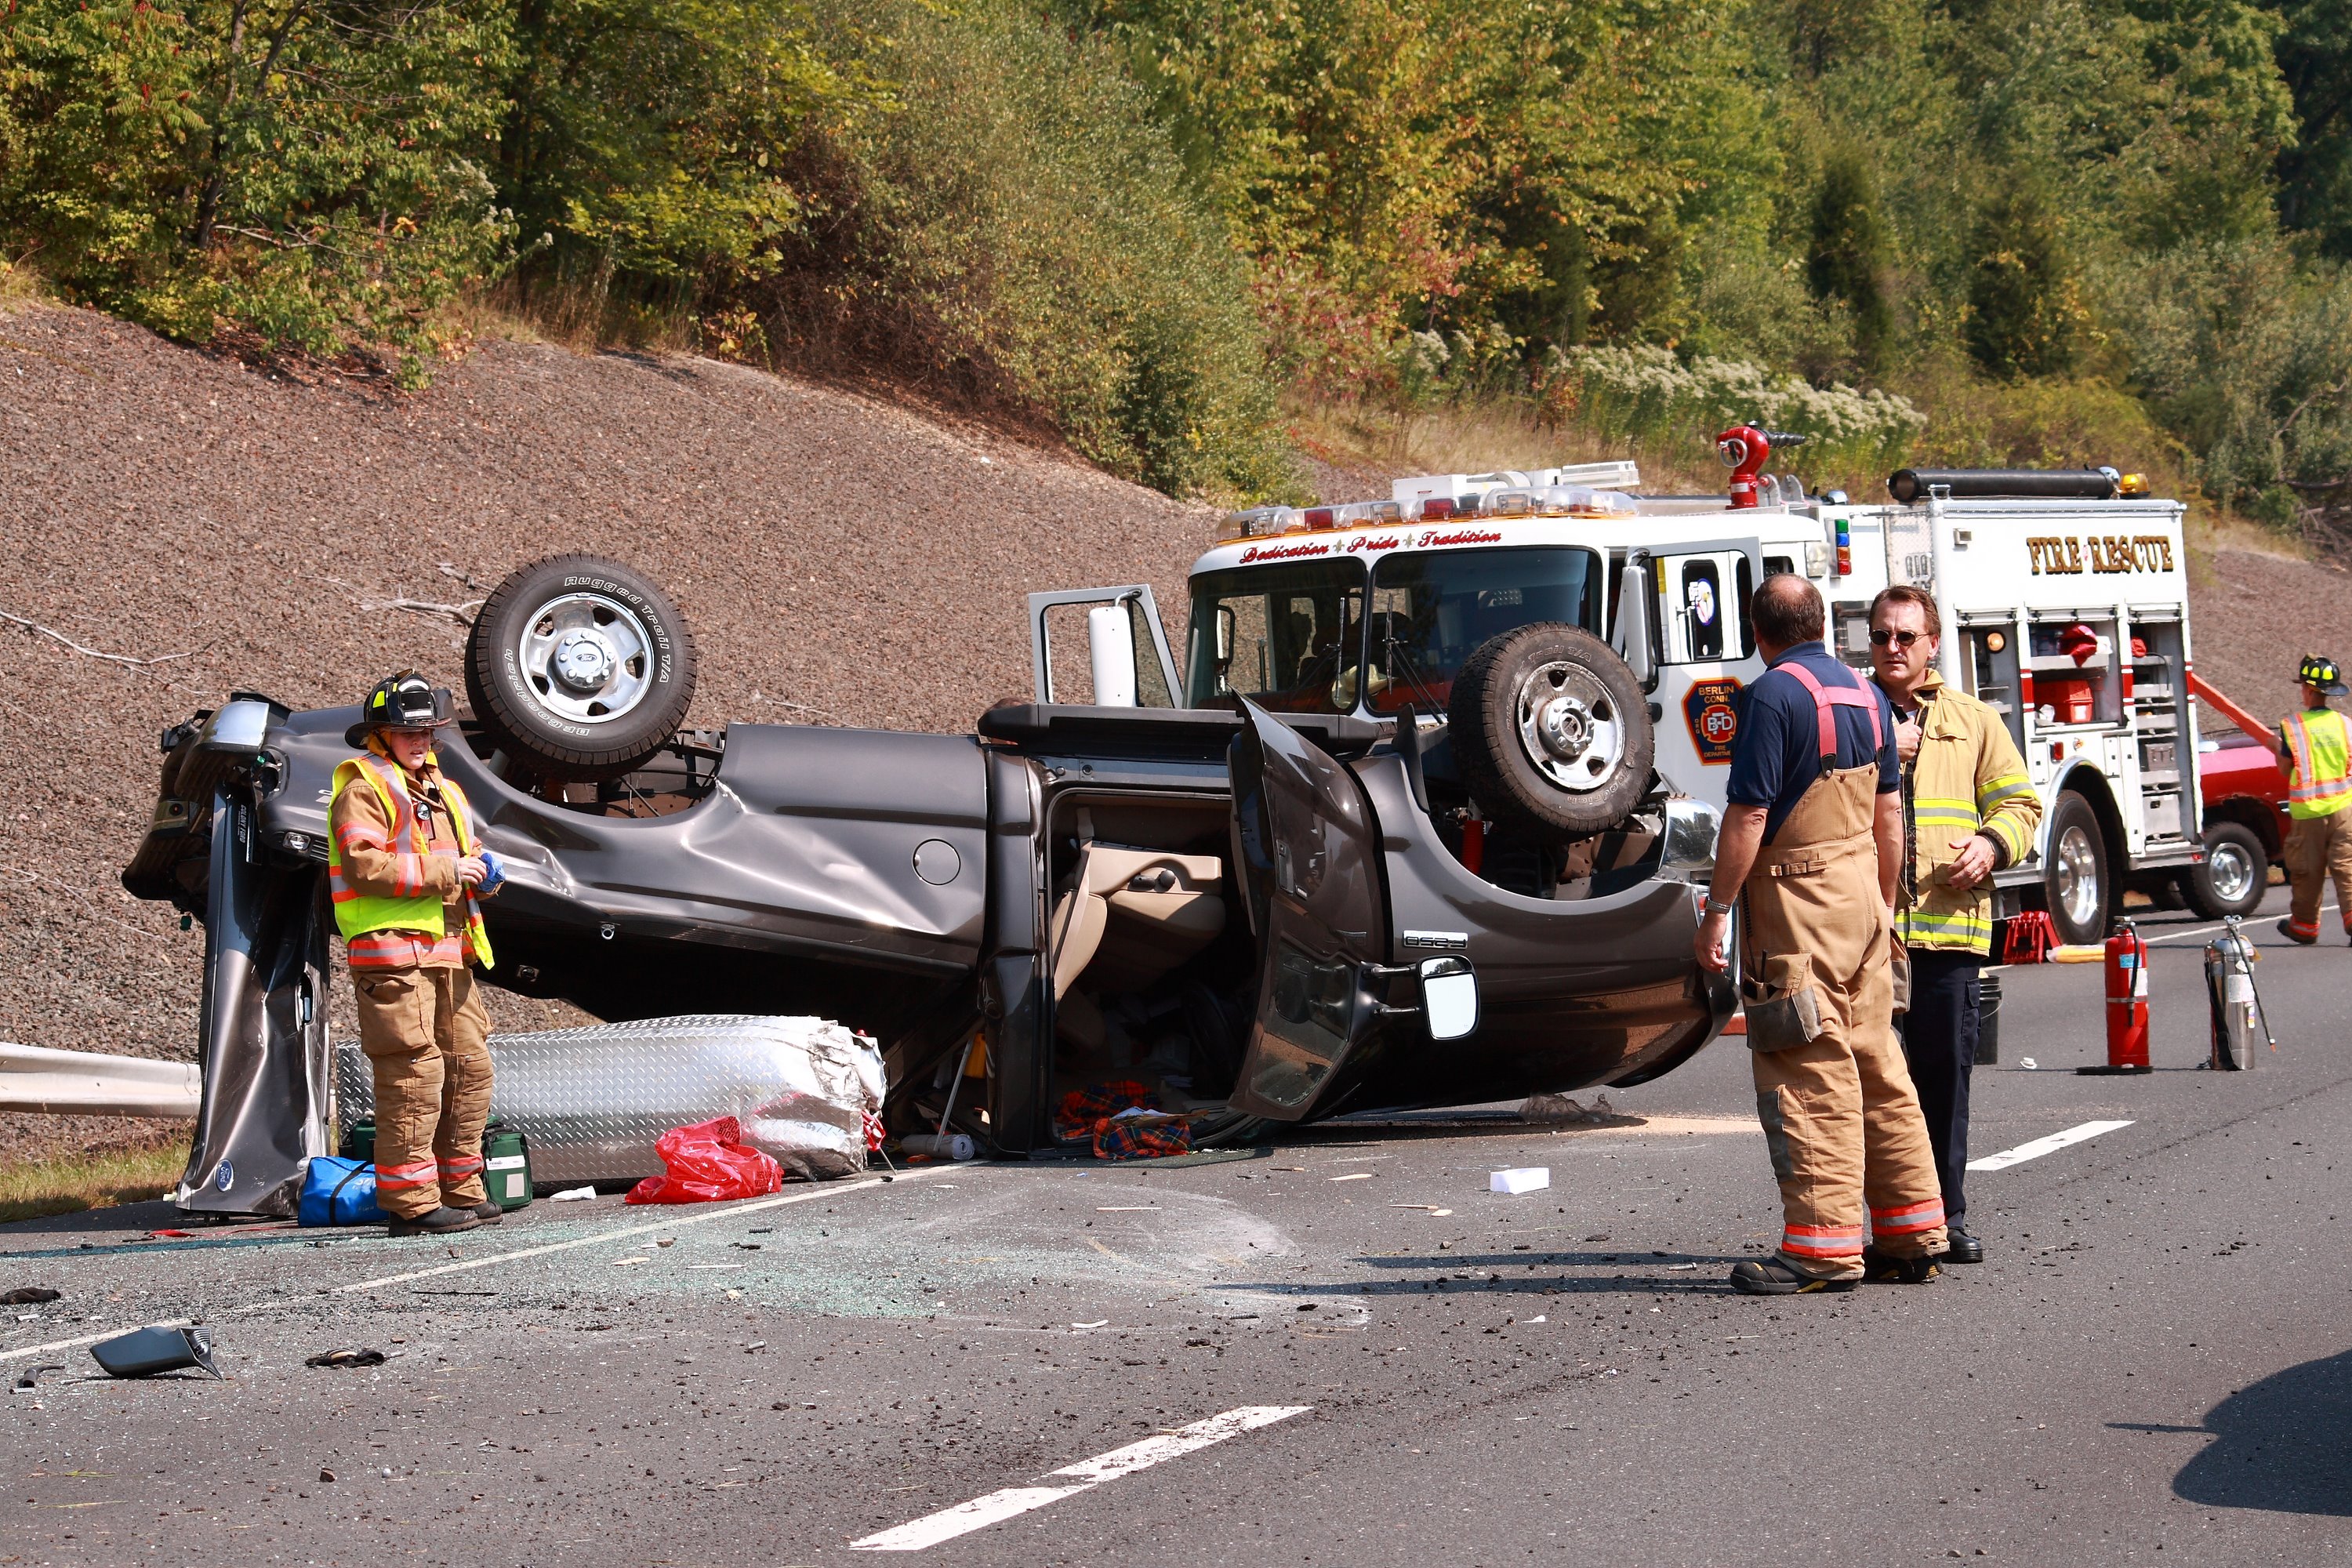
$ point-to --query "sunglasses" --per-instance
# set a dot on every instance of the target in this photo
(1880, 636)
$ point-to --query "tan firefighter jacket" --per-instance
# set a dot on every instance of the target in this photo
(1967, 779)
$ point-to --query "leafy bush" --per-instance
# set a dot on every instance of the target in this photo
(302, 176)
(1016, 230)
(1648, 397)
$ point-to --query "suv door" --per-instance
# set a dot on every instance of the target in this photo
(1308, 848)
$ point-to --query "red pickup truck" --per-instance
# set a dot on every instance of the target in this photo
(2244, 794)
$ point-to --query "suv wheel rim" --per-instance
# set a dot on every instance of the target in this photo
(1569, 726)
(588, 658)
(2078, 876)
(2229, 870)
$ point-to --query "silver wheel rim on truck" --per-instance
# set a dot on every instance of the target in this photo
(2078, 868)
(586, 657)
(2230, 871)
(1568, 727)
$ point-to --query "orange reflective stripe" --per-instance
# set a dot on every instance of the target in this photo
(1909, 1220)
(461, 1167)
(1821, 1240)
(417, 1174)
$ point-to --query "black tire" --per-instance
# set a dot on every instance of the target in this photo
(2234, 877)
(631, 668)
(1551, 731)
(2076, 880)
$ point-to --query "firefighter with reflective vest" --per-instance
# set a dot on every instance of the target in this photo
(406, 871)
(2318, 755)
(1809, 853)
(1968, 810)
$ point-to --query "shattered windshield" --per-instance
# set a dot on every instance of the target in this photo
(1429, 612)
(1287, 637)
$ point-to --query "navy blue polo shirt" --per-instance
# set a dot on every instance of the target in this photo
(1776, 755)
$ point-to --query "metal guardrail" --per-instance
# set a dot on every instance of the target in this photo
(90, 1083)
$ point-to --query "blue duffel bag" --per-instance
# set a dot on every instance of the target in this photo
(336, 1191)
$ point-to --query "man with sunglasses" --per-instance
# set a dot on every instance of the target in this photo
(405, 869)
(1968, 810)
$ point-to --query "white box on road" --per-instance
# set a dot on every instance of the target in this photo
(1526, 1179)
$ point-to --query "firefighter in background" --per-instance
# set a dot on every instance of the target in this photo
(1968, 810)
(2317, 756)
(1809, 853)
(406, 870)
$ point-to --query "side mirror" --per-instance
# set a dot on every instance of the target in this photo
(1110, 648)
(1449, 997)
(1633, 637)
(1691, 830)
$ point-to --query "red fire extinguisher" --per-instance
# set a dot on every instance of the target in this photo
(2126, 970)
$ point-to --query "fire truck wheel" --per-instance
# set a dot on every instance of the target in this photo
(1551, 731)
(2234, 877)
(579, 668)
(2075, 877)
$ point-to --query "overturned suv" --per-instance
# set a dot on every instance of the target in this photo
(1382, 851)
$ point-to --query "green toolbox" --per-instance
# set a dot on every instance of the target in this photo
(506, 1165)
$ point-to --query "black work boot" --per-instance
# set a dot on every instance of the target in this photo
(1962, 1247)
(488, 1211)
(440, 1222)
(1887, 1268)
(1772, 1277)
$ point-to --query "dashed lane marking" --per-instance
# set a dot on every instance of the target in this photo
(1085, 1475)
(2041, 1146)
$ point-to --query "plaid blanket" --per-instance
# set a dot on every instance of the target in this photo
(1124, 1121)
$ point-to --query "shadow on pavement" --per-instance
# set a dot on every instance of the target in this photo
(2282, 1444)
(154, 1215)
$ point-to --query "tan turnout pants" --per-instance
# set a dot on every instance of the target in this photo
(425, 1034)
(1841, 1118)
(2318, 849)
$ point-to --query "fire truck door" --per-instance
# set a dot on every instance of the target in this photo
(1306, 849)
(1706, 646)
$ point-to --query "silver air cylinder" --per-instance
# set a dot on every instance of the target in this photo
(2230, 991)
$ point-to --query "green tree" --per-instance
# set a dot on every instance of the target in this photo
(302, 175)
(2025, 314)
(1846, 261)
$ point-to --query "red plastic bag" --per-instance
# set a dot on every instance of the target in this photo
(708, 1163)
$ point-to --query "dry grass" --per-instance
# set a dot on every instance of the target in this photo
(95, 1179)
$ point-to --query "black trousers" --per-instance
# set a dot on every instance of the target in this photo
(1939, 1041)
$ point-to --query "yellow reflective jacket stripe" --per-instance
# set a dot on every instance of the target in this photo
(1969, 779)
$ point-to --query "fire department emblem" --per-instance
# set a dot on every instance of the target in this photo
(1711, 709)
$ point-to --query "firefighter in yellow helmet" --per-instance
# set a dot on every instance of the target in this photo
(2318, 755)
(408, 871)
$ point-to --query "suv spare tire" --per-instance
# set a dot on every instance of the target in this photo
(1551, 731)
(579, 668)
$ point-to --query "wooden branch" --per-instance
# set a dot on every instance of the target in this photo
(56, 636)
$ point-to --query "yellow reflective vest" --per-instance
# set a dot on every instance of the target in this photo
(2319, 764)
(1967, 779)
(414, 903)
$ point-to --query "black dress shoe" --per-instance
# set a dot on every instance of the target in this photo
(1959, 1247)
(440, 1222)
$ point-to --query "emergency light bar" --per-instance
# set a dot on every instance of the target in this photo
(1437, 498)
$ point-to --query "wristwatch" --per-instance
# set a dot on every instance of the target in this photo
(1716, 906)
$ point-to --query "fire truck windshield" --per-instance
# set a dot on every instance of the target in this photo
(1429, 612)
(1289, 637)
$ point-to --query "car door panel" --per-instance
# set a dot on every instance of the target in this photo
(1308, 848)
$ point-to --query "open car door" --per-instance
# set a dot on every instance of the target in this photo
(1308, 851)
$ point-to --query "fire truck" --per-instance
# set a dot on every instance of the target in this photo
(2063, 597)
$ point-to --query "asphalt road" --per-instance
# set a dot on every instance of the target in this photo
(2154, 1364)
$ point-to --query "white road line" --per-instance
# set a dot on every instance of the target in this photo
(673, 1222)
(2041, 1146)
(90, 1339)
(1085, 1475)
(2326, 904)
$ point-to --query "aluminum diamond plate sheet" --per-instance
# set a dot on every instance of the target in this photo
(593, 1101)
